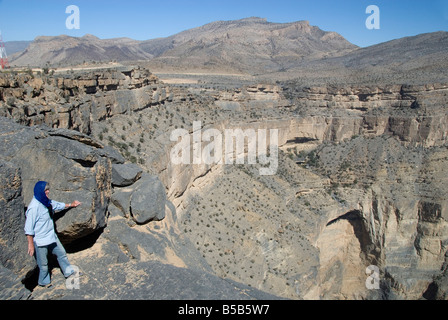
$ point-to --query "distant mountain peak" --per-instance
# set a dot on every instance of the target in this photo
(51, 38)
(90, 37)
(253, 19)
(250, 44)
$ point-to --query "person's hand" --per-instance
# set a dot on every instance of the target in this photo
(75, 203)
(31, 248)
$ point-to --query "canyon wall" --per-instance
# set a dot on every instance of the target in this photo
(73, 100)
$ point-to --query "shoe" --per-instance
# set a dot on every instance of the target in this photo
(47, 286)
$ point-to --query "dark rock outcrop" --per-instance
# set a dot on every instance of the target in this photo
(124, 175)
(77, 168)
(148, 200)
(143, 202)
(11, 286)
(12, 219)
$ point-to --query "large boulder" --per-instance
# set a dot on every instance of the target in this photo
(76, 166)
(144, 201)
(125, 174)
(148, 200)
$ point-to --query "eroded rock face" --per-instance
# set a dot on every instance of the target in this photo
(415, 114)
(393, 216)
(12, 219)
(75, 168)
(73, 100)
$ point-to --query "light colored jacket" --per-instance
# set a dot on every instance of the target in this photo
(39, 223)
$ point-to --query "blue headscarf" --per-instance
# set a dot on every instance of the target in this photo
(39, 193)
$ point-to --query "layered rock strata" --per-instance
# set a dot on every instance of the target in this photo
(73, 100)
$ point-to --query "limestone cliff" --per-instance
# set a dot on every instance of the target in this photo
(73, 100)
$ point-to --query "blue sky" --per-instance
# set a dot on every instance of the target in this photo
(142, 20)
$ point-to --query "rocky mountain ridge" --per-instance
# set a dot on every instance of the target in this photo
(249, 45)
(419, 59)
(255, 46)
(63, 49)
(234, 45)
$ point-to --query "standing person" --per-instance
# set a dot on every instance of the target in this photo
(41, 235)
